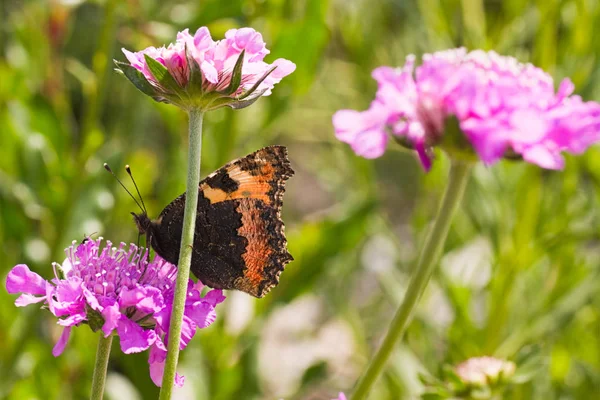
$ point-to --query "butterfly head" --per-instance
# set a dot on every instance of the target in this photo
(143, 223)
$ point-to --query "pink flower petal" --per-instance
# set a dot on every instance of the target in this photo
(529, 126)
(157, 367)
(202, 39)
(198, 285)
(209, 72)
(345, 123)
(214, 297)
(92, 300)
(134, 338)
(370, 144)
(72, 320)
(163, 317)
(179, 380)
(27, 299)
(188, 330)
(133, 58)
(157, 370)
(67, 298)
(160, 349)
(565, 89)
(241, 37)
(147, 300)
(69, 290)
(62, 342)
(284, 68)
(203, 314)
(423, 156)
(157, 353)
(112, 316)
(20, 279)
(544, 158)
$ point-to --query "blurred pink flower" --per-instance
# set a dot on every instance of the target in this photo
(478, 371)
(503, 107)
(341, 396)
(208, 82)
(116, 289)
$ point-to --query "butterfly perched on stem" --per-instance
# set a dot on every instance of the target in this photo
(239, 240)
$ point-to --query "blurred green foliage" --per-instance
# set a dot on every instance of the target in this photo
(522, 268)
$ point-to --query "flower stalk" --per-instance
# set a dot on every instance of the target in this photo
(99, 377)
(433, 246)
(185, 253)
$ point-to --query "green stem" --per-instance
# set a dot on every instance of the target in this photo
(185, 252)
(102, 355)
(457, 181)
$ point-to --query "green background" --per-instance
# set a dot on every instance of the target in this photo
(521, 272)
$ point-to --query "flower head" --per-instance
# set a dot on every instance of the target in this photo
(476, 378)
(503, 108)
(116, 290)
(479, 371)
(198, 72)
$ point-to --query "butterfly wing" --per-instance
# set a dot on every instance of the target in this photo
(239, 240)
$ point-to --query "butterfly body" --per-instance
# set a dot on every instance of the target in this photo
(239, 240)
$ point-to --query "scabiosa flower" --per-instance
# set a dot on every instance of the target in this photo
(479, 371)
(118, 291)
(497, 106)
(476, 378)
(198, 72)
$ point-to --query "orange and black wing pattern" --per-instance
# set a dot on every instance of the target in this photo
(239, 241)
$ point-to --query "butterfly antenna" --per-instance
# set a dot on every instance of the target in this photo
(106, 167)
(135, 184)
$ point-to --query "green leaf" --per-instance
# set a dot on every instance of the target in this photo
(162, 75)
(236, 76)
(255, 86)
(233, 103)
(136, 77)
(239, 104)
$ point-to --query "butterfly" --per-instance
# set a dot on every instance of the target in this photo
(239, 239)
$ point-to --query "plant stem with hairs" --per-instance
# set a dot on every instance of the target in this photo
(99, 376)
(185, 253)
(433, 246)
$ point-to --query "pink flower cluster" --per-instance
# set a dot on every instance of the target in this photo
(483, 370)
(116, 290)
(503, 108)
(216, 60)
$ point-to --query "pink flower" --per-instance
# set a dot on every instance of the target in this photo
(116, 290)
(341, 396)
(479, 371)
(503, 108)
(197, 71)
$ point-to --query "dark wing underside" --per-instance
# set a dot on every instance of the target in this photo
(239, 240)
